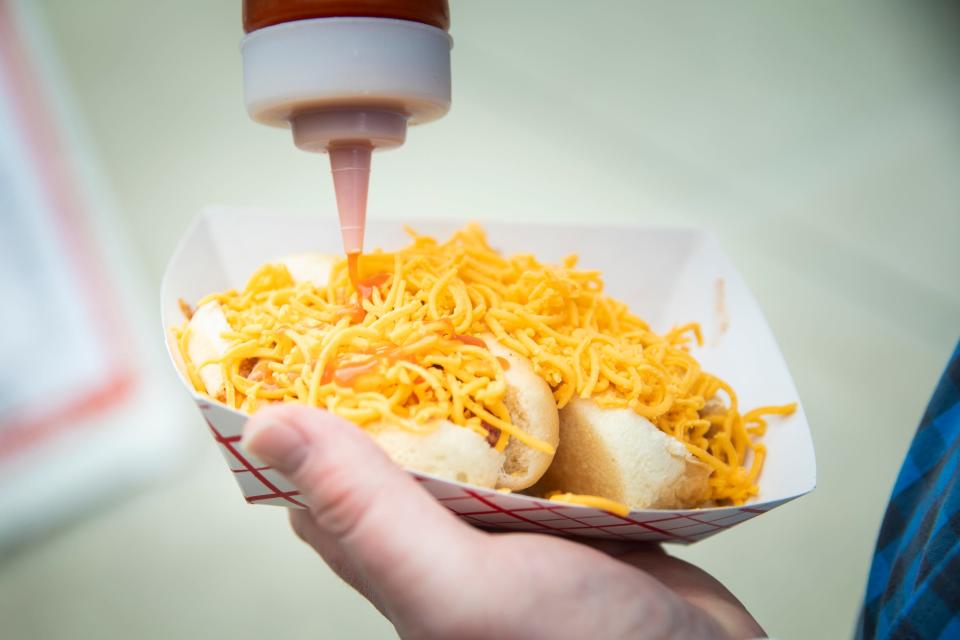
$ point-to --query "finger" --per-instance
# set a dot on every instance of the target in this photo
(621, 548)
(373, 512)
(696, 586)
(330, 550)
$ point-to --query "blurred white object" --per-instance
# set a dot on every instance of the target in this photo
(80, 416)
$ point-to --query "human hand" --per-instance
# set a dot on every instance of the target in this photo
(434, 576)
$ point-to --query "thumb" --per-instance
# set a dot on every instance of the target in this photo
(366, 507)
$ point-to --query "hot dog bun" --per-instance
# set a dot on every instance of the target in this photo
(205, 342)
(619, 455)
(314, 268)
(456, 453)
(449, 451)
(208, 323)
(533, 409)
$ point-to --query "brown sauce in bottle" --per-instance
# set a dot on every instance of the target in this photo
(258, 14)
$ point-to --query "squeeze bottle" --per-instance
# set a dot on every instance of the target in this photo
(347, 77)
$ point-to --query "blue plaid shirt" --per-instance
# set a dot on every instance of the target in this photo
(914, 586)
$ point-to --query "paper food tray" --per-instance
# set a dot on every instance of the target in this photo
(667, 276)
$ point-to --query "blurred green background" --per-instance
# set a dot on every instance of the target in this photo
(819, 140)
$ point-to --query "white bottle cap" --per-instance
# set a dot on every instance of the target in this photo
(346, 63)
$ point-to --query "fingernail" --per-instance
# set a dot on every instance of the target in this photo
(278, 444)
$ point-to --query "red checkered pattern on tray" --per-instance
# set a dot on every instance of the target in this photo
(260, 484)
(489, 509)
(493, 510)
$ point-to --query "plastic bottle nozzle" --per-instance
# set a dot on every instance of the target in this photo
(349, 135)
(350, 164)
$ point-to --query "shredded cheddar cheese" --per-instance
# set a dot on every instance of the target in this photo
(410, 352)
(595, 502)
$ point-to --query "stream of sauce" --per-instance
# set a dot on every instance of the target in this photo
(364, 288)
(353, 268)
